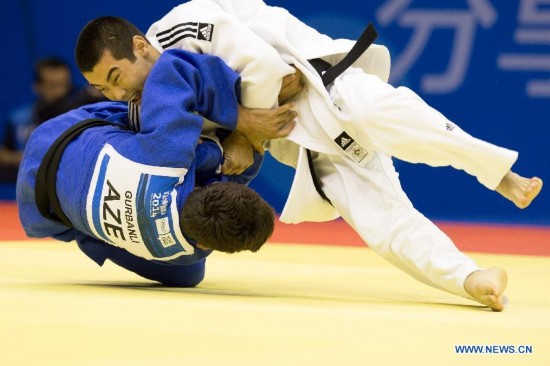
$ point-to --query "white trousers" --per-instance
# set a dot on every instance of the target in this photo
(399, 123)
(371, 201)
(396, 122)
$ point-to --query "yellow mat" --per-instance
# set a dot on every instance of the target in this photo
(285, 305)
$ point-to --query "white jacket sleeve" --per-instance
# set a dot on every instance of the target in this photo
(204, 27)
(277, 26)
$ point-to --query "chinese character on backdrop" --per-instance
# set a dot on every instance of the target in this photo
(533, 38)
(464, 22)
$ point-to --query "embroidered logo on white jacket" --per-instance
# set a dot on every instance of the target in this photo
(351, 148)
(205, 31)
(200, 31)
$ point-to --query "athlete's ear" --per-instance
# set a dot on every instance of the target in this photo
(203, 247)
(141, 46)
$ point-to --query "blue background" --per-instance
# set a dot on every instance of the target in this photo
(489, 102)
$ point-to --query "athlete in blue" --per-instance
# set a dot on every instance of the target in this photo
(145, 200)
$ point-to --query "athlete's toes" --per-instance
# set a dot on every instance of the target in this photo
(533, 189)
(534, 186)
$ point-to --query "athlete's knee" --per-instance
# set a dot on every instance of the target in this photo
(188, 276)
(187, 281)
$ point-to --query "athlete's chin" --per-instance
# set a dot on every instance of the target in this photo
(136, 98)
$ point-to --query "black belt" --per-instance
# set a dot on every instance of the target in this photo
(45, 187)
(328, 73)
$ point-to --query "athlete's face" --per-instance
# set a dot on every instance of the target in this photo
(123, 79)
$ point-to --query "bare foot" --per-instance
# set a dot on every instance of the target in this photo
(487, 286)
(521, 191)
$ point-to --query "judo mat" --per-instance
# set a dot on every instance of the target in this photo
(311, 296)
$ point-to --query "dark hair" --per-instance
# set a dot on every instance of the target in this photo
(51, 62)
(105, 33)
(228, 217)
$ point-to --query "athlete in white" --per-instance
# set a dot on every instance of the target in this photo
(353, 127)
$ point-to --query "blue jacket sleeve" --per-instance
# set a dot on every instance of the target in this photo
(181, 89)
(208, 157)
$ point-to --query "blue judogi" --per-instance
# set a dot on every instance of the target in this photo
(122, 190)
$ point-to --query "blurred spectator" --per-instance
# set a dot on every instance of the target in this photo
(55, 94)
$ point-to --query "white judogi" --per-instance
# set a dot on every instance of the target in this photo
(259, 42)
